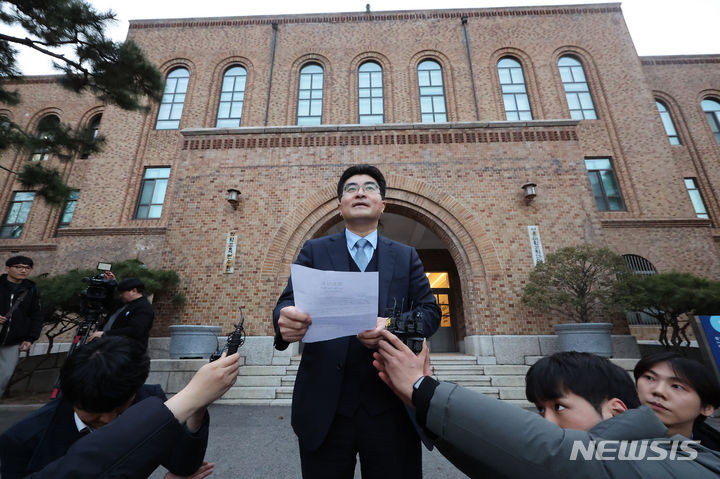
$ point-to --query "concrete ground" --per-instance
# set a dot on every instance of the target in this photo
(255, 442)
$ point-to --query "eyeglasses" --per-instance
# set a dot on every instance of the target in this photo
(21, 266)
(369, 187)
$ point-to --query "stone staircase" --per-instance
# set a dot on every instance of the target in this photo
(273, 385)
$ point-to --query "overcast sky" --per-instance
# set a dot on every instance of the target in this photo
(658, 27)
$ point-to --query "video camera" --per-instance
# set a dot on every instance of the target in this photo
(409, 330)
(98, 292)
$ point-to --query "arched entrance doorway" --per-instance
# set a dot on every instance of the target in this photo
(439, 267)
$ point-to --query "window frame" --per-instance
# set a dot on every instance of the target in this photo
(310, 119)
(233, 102)
(438, 116)
(370, 117)
(169, 123)
(69, 203)
(667, 121)
(92, 128)
(712, 116)
(508, 89)
(43, 154)
(696, 199)
(577, 90)
(145, 181)
(603, 188)
(5, 225)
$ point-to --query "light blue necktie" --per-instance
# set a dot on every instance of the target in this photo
(361, 258)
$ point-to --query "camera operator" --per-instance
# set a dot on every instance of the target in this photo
(134, 315)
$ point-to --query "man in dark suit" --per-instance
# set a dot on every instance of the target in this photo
(340, 407)
(134, 318)
(100, 380)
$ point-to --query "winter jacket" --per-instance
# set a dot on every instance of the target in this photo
(27, 320)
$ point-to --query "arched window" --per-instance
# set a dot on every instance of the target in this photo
(173, 99)
(667, 123)
(370, 93)
(577, 91)
(512, 83)
(232, 98)
(711, 108)
(45, 132)
(310, 95)
(639, 265)
(92, 129)
(432, 92)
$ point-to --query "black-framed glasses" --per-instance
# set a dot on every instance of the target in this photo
(369, 187)
(21, 266)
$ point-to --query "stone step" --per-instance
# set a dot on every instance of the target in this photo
(255, 402)
(262, 371)
(512, 393)
(513, 381)
(506, 370)
(284, 392)
(250, 393)
(252, 381)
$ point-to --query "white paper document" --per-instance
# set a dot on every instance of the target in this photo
(340, 303)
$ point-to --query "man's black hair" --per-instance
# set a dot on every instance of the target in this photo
(700, 378)
(362, 170)
(591, 377)
(19, 260)
(105, 373)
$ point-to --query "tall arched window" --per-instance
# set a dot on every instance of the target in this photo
(639, 265)
(711, 108)
(515, 97)
(173, 99)
(370, 93)
(92, 129)
(310, 95)
(432, 92)
(232, 97)
(45, 131)
(577, 91)
(667, 123)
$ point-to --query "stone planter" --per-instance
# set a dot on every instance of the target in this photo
(585, 337)
(193, 341)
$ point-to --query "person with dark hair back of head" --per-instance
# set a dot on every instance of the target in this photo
(21, 318)
(682, 392)
(99, 381)
(133, 316)
(592, 426)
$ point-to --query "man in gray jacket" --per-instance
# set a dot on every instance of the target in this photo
(588, 431)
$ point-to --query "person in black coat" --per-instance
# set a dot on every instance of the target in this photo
(100, 380)
(21, 318)
(133, 318)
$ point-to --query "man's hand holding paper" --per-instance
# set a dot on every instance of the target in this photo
(340, 303)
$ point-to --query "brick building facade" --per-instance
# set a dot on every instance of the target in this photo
(472, 103)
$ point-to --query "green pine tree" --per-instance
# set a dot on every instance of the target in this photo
(116, 73)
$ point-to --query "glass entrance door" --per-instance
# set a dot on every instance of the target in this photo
(443, 341)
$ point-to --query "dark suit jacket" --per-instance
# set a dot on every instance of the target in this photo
(135, 322)
(321, 375)
(131, 446)
(48, 433)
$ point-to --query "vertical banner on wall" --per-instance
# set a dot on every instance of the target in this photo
(535, 245)
(230, 248)
(707, 333)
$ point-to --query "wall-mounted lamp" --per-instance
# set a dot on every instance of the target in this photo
(530, 192)
(233, 197)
